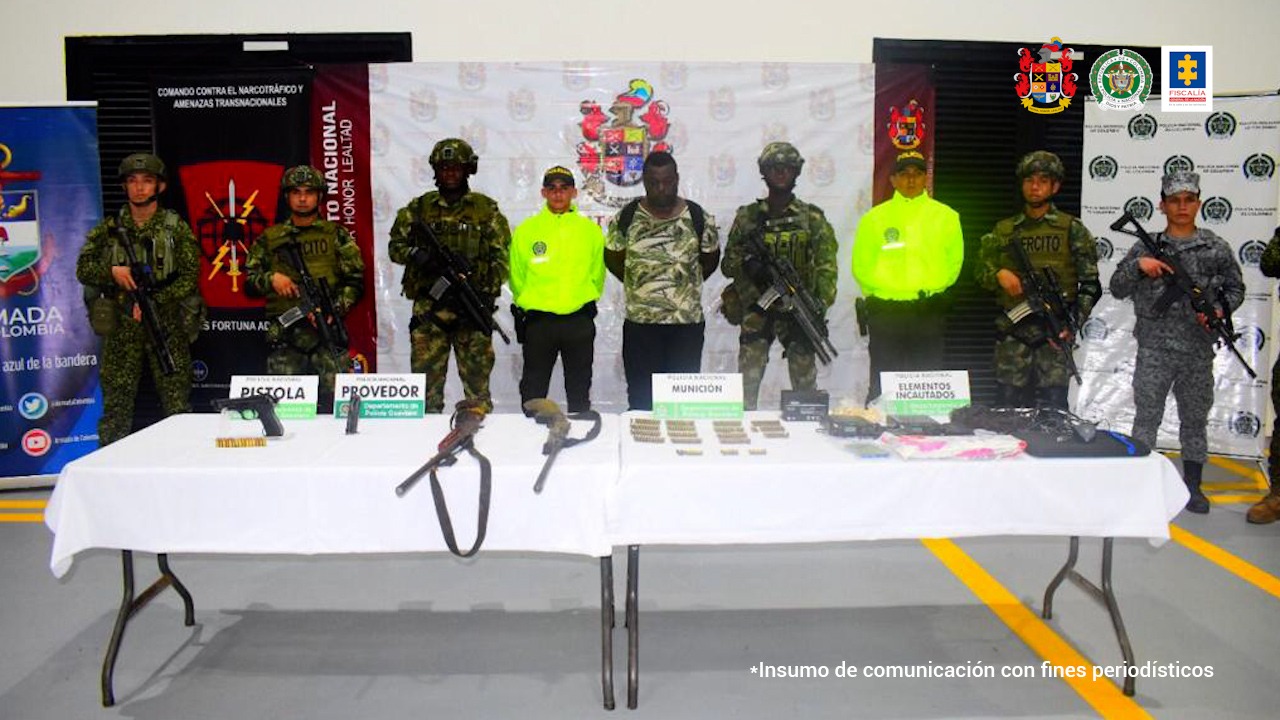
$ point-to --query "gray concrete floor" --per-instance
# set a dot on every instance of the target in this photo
(518, 635)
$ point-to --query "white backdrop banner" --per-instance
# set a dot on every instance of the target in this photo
(1234, 149)
(522, 118)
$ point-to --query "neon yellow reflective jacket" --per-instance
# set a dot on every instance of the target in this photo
(557, 262)
(907, 246)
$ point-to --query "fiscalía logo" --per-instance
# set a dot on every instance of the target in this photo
(36, 442)
(1179, 163)
(1120, 80)
(1143, 127)
(19, 234)
(723, 169)
(1105, 249)
(1045, 84)
(1103, 168)
(1246, 423)
(1220, 125)
(422, 104)
(471, 75)
(1186, 78)
(1139, 207)
(907, 126)
(775, 76)
(1216, 210)
(1259, 167)
(227, 202)
(33, 406)
(1251, 253)
(613, 149)
(1095, 329)
(521, 104)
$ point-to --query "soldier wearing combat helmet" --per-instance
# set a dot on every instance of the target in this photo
(331, 256)
(1028, 375)
(789, 228)
(471, 225)
(162, 241)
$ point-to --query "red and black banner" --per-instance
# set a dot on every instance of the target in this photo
(904, 120)
(227, 139)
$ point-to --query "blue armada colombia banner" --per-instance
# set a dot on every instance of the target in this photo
(50, 198)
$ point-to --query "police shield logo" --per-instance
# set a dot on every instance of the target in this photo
(1246, 423)
(824, 170)
(1258, 167)
(1139, 207)
(1120, 80)
(422, 104)
(1179, 163)
(521, 105)
(1216, 210)
(19, 233)
(1220, 126)
(1251, 338)
(721, 104)
(1143, 127)
(1103, 168)
(1095, 330)
(1251, 253)
(723, 170)
(1105, 248)
(471, 76)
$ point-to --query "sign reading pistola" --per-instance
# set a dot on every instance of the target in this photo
(1046, 84)
(386, 395)
(295, 395)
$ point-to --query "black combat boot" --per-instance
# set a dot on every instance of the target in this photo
(1010, 396)
(1191, 473)
(1053, 397)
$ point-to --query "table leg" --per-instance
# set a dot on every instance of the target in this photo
(606, 630)
(130, 605)
(1104, 595)
(633, 632)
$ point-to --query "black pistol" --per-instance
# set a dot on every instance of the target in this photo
(258, 406)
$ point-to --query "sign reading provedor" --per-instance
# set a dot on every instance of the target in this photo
(382, 396)
(926, 392)
(295, 395)
(697, 395)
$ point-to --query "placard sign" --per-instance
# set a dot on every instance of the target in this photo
(381, 396)
(295, 395)
(926, 392)
(697, 395)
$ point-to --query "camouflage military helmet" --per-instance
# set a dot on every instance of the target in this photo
(141, 162)
(1042, 162)
(454, 150)
(780, 153)
(303, 176)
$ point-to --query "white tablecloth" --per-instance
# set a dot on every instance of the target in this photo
(318, 490)
(811, 488)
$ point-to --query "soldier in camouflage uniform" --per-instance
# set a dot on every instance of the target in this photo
(331, 256)
(1175, 347)
(1267, 510)
(792, 229)
(1027, 375)
(661, 247)
(471, 225)
(163, 241)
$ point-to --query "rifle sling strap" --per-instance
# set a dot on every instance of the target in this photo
(482, 519)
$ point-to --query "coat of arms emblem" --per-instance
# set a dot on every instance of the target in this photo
(1046, 84)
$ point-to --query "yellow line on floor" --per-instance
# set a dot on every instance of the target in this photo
(23, 504)
(21, 517)
(1105, 697)
(1242, 569)
(1228, 499)
(1253, 473)
(1209, 486)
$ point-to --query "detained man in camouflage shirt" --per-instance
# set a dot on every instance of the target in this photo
(1175, 347)
(661, 247)
(1267, 510)
(161, 240)
(797, 231)
(469, 224)
(1031, 374)
(331, 257)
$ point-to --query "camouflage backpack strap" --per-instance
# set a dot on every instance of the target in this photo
(628, 214)
(699, 217)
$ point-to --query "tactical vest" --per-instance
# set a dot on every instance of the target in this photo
(462, 229)
(152, 247)
(789, 237)
(1048, 245)
(319, 242)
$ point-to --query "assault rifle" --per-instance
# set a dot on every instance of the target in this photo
(144, 297)
(547, 412)
(787, 291)
(316, 300)
(258, 406)
(1182, 284)
(454, 279)
(1044, 297)
(464, 425)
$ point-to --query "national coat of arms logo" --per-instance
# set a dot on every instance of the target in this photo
(615, 145)
(1046, 84)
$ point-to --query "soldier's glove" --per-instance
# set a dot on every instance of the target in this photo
(757, 270)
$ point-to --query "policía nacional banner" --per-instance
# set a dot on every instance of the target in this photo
(601, 119)
(50, 197)
(227, 139)
(1234, 149)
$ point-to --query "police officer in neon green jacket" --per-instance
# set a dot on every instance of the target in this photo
(907, 252)
(557, 274)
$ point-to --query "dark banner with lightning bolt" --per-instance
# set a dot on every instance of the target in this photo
(227, 139)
